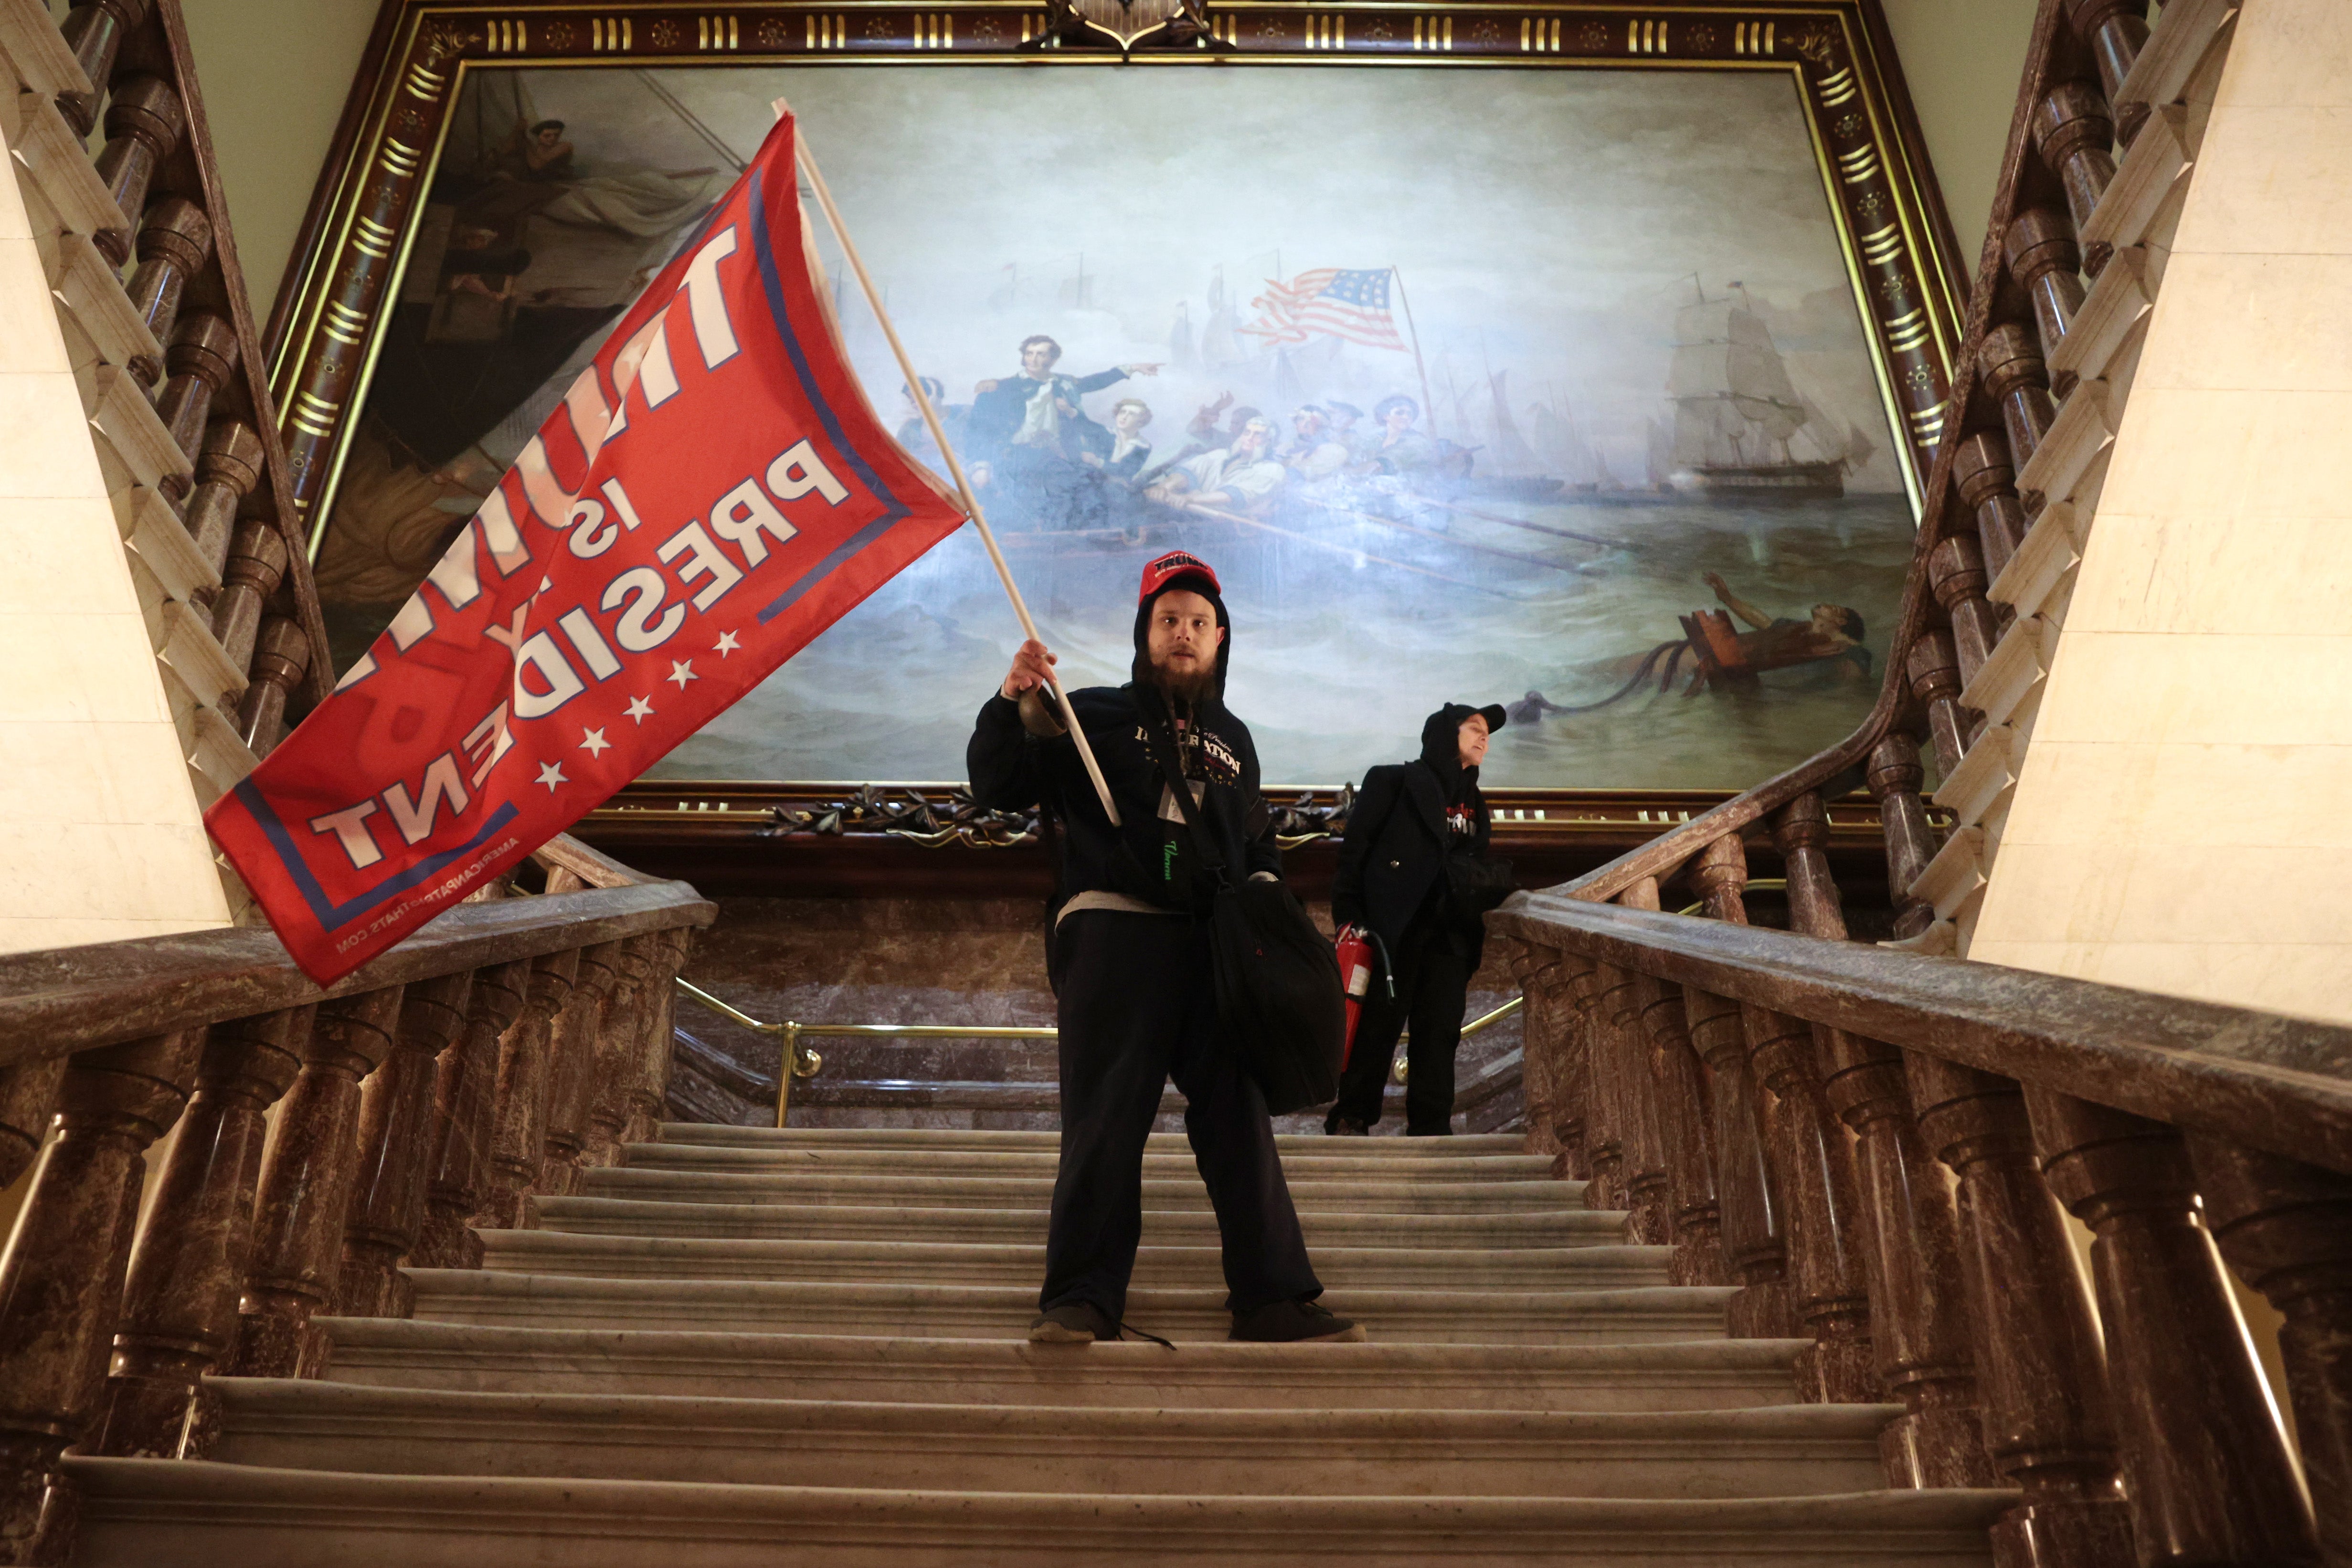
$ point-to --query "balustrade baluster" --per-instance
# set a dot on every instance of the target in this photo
(202, 356)
(144, 119)
(2115, 31)
(173, 242)
(307, 1176)
(1753, 1244)
(1648, 1194)
(464, 1119)
(61, 1275)
(28, 1098)
(2207, 1472)
(518, 1122)
(571, 1058)
(227, 469)
(1987, 478)
(2073, 134)
(395, 1144)
(1533, 966)
(1934, 666)
(2039, 1367)
(618, 1045)
(2042, 256)
(280, 653)
(255, 568)
(2287, 1228)
(1907, 1232)
(1604, 1145)
(1895, 776)
(94, 30)
(1957, 574)
(1745, 1186)
(2016, 378)
(651, 1085)
(1690, 1138)
(1806, 1147)
(179, 1304)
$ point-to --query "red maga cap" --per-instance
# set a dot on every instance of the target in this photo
(1176, 563)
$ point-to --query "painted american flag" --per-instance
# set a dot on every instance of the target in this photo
(1336, 302)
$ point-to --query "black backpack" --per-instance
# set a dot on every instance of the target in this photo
(1278, 993)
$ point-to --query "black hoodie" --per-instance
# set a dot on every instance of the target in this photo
(1408, 817)
(1013, 767)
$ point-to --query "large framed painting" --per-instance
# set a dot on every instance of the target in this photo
(1584, 359)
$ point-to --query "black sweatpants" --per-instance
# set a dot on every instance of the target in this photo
(1138, 1006)
(1433, 986)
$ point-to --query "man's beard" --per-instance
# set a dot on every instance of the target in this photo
(1186, 686)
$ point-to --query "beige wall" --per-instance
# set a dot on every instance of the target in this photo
(100, 836)
(1963, 59)
(2184, 815)
(275, 74)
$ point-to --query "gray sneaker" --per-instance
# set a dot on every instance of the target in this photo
(1073, 1323)
(1295, 1322)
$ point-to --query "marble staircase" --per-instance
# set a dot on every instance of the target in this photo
(742, 1345)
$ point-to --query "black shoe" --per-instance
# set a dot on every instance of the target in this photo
(1073, 1323)
(1294, 1323)
(1347, 1127)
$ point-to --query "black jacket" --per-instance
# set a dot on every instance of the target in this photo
(1392, 857)
(1012, 769)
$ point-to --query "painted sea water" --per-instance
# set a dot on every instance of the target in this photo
(1337, 658)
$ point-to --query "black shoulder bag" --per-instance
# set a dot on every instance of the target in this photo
(1277, 978)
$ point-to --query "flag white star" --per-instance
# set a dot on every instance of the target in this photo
(592, 742)
(727, 643)
(550, 775)
(681, 673)
(545, 583)
(639, 709)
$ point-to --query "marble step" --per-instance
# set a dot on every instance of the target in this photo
(165, 1513)
(1646, 1315)
(1198, 1227)
(1778, 1451)
(1169, 1191)
(889, 1261)
(1695, 1374)
(1460, 1146)
(959, 1163)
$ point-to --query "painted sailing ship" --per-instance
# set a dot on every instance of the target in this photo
(1741, 431)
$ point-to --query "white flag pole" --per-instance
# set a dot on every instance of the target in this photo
(955, 469)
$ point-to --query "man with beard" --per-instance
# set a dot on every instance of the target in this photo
(1131, 963)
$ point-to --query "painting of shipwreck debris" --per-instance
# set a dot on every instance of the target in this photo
(1544, 387)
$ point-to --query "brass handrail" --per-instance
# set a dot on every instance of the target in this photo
(804, 1063)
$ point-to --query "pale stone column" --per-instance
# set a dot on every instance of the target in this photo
(2183, 818)
(100, 834)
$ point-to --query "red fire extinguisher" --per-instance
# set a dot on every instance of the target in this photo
(1357, 949)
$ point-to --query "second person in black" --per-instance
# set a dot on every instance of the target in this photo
(1410, 821)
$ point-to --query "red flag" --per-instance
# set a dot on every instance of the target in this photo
(712, 492)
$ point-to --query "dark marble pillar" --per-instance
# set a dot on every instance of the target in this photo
(2040, 1371)
(61, 1276)
(572, 1069)
(306, 1184)
(395, 1140)
(2287, 1228)
(179, 1305)
(2206, 1466)
(519, 1113)
(464, 1119)
(1894, 777)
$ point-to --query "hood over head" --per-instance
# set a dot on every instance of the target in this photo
(1178, 568)
(1441, 743)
